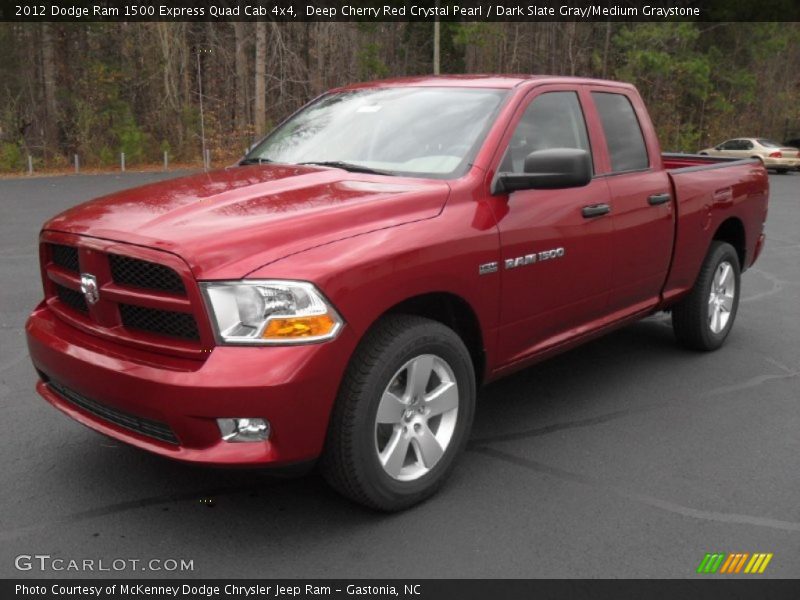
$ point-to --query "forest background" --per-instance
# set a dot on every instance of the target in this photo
(101, 89)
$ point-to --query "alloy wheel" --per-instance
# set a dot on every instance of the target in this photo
(720, 300)
(416, 417)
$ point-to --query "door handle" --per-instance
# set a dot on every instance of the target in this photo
(723, 196)
(595, 210)
(657, 199)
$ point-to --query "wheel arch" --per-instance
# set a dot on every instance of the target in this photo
(453, 311)
(732, 231)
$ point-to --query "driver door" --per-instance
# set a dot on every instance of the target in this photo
(555, 244)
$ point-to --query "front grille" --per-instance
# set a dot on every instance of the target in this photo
(65, 257)
(144, 274)
(71, 298)
(138, 299)
(148, 427)
(162, 322)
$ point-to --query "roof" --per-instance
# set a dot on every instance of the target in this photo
(478, 81)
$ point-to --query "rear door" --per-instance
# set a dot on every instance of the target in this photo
(641, 201)
(747, 149)
(556, 255)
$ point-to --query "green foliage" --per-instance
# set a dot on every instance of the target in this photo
(665, 54)
(475, 33)
(107, 156)
(131, 139)
(11, 158)
(370, 64)
(687, 138)
(104, 123)
(450, 49)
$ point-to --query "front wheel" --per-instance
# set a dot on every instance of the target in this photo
(704, 318)
(403, 414)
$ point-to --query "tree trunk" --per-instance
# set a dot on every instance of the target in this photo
(165, 33)
(437, 33)
(49, 87)
(606, 44)
(240, 59)
(260, 108)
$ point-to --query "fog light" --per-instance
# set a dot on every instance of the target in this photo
(244, 429)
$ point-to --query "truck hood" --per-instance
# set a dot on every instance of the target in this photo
(227, 223)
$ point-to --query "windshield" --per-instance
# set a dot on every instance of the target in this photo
(768, 143)
(400, 131)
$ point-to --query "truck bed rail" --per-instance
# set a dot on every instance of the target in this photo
(676, 161)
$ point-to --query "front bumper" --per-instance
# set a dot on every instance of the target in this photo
(294, 387)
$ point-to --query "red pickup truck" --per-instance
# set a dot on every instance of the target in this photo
(344, 290)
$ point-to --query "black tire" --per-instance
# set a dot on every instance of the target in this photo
(782, 171)
(350, 461)
(690, 317)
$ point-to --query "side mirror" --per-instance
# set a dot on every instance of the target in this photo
(546, 170)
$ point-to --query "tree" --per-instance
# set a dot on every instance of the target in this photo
(50, 120)
(260, 108)
(240, 54)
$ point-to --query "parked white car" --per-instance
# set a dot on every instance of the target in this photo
(773, 155)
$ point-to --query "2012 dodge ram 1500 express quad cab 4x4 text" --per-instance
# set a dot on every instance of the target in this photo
(342, 292)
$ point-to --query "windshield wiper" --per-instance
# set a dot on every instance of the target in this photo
(339, 164)
(254, 161)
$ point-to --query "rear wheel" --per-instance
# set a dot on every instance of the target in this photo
(782, 171)
(704, 318)
(403, 414)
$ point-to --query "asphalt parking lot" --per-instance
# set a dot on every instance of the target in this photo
(628, 457)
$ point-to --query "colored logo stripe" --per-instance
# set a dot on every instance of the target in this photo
(734, 562)
(710, 563)
(758, 563)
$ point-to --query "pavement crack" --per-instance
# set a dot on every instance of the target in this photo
(619, 414)
(780, 365)
(750, 383)
(529, 433)
(777, 286)
(121, 507)
(665, 505)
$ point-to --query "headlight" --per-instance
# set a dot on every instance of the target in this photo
(269, 312)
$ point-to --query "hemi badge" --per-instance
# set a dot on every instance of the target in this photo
(486, 268)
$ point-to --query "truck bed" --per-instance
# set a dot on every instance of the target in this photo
(711, 193)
